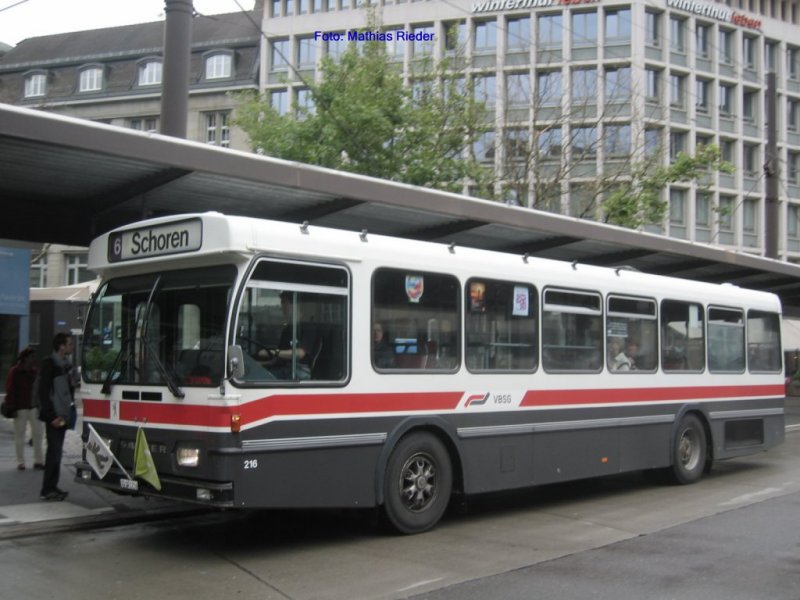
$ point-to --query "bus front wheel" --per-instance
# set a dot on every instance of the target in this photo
(689, 451)
(418, 483)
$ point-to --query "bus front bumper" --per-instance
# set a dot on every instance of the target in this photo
(206, 493)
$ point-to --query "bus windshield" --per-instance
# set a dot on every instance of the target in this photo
(163, 328)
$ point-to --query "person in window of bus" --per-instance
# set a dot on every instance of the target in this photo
(279, 360)
(19, 397)
(382, 354)
(625, 361)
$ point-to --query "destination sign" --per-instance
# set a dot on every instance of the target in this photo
(158, 240)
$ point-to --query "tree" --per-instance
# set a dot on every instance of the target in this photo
(363, 119)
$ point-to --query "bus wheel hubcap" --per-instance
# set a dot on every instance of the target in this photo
(418, 482)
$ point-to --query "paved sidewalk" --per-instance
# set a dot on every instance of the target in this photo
(22, 512)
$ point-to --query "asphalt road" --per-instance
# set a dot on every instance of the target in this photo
(736, 534)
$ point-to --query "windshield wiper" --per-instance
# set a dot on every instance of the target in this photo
(168, 377)
(106, 389)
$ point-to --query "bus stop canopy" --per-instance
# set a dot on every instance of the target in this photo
(65, 180)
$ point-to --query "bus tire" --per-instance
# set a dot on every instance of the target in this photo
(418, 483)
(689, 451)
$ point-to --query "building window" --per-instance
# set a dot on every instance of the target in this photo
(38, 273)
(486, 90)
(792, 223)
(584, 29)
(77, 269)
(305, 103)
(702, 101)
(336, 48)
(219, 66)
(726, 219)
(516, 142)
(548, 88)
(518, 34)
(279, 53)
(792, 56)
(551, 30)
(423, 41)
(549, 143)
(749, 105)
(652, 29)
(485, 37)
(218, 131)
(770, 57)
(584, 86)
(792, 114)
(483, 147)
(702, 217)
(148, 124)
(618, 84)
(279, 100)
(750, 222)
(677, 143)
(702, 36)
(652, 77)
(677, 90)
(652, 142)
(726, 46)
(518, 89)
(749, 52)
(584, 142)
(306, 52)
(455, 36)
(750, 162)
(35, 85)
(618, 26)
(617, 140)
(793, 167)
(728, 150)
(677, 28)
(91, 80)
(150, 73)
(677, 213)
(726, 100)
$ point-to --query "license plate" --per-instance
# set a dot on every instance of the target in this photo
(129, 484)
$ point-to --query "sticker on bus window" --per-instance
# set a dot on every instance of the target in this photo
(415, 286)
(521, 301)
(477, 296)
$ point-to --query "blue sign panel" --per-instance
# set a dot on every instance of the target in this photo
(14, 281)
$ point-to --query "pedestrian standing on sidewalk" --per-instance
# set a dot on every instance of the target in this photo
(55, 391)
(19, 397)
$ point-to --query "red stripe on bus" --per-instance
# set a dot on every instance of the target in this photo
(344, 404)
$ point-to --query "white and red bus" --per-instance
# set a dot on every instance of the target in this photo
(277, 365)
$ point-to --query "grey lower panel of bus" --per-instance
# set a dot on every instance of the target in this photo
(340, 462)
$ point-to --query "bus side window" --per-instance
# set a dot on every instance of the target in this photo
(501, 326)
(682, 336)
(417, 315)
(631, 335)
(572, 331)
(763, 341)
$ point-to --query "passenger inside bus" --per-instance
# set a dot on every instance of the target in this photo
(626, 360)
(293, 359)
(382, 353)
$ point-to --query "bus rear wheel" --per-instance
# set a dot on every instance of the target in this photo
(689, 451)
(418, 483)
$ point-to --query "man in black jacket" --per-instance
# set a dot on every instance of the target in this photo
(55, 389)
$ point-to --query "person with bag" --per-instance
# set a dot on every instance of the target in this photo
(25, 408)
(55, 390)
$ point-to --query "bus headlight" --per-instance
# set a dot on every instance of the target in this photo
(188, 456)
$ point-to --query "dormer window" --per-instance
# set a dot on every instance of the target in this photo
(219, 65)
(91, 79)
(35, 85)
(150, 72)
